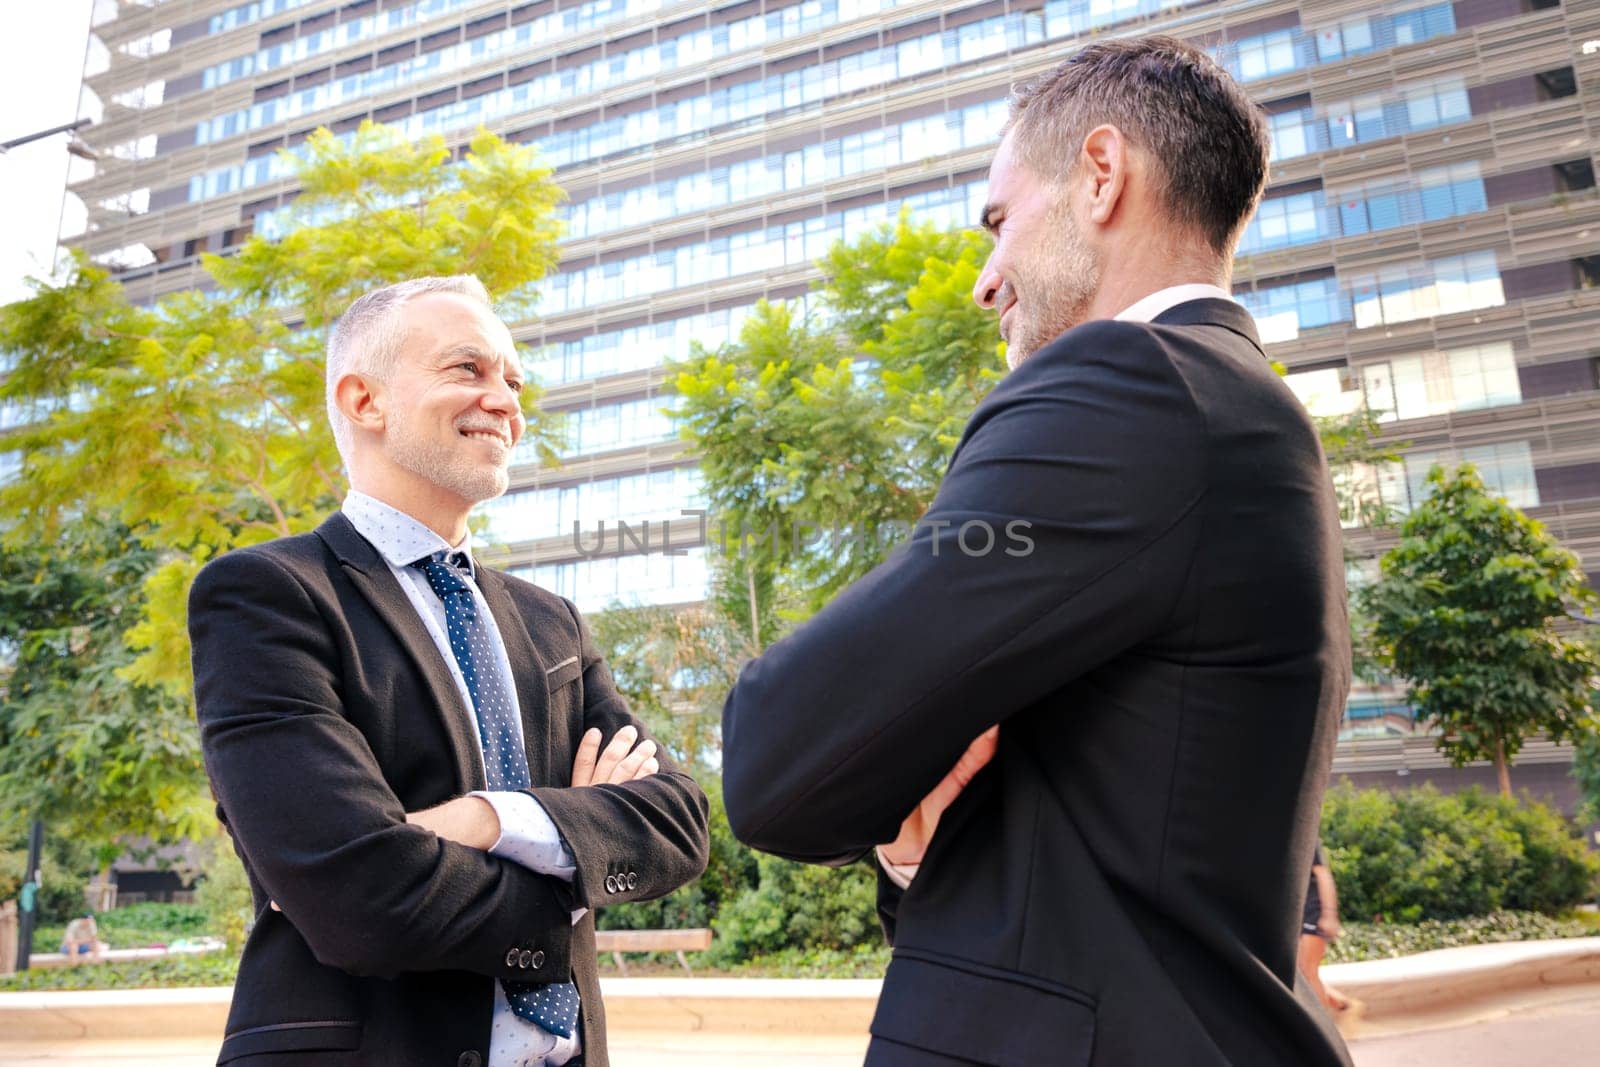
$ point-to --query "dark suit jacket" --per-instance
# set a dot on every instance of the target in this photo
(1122, 885)
(327, 713)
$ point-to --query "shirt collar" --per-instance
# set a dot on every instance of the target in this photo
(400, 539)
(1146, 309)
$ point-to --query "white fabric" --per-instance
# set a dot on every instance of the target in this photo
(528, 836)
(1146, 309)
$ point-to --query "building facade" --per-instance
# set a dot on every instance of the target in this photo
(1429, 245)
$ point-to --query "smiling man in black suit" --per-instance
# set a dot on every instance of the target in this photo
(1115, 877)
(406, 746)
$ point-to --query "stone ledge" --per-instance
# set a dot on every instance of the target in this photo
(1395, 991)
(1451, 979)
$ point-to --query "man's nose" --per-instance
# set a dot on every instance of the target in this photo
(987, 288)
(503, 399)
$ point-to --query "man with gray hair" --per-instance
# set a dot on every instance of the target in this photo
(423, 763)
(1112, 872)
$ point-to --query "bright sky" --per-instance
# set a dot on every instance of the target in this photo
(42, 45)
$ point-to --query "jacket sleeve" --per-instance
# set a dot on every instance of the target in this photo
(1061, 535)
(634, 841)
(308, 806)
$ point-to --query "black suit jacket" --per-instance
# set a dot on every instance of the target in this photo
(1122, 885)
(326, 713)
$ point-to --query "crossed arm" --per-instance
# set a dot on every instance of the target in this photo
(473, 821)
(853, 722)
(371, 888)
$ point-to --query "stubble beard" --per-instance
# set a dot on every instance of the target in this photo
(450, 469)
(1060, 291)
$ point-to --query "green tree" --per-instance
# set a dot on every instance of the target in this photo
(823, 439)
(97, 758)
(674, 665)
(197, 425)
(1468, 610)
(1586, 771)
(1586, 744)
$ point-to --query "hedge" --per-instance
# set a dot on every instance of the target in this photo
(1421, 854)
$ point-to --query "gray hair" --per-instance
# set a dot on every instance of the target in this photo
(367, 338)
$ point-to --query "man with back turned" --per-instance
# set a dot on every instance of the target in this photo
(1114, 876)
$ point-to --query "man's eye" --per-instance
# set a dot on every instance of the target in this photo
(516, 387)
(469, 366)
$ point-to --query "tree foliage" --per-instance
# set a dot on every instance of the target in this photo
(197, 424)
(1586, 745)
(823, 438)
(1467, 609)
(91, 754)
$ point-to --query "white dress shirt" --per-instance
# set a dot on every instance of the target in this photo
(1143, 310)
(528, 836)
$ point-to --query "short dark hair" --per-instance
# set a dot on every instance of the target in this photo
(1205, 135)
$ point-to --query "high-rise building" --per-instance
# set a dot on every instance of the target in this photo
(1429, 245)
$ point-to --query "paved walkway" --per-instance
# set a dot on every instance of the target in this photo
(1555, 1033)
(1559, 1033)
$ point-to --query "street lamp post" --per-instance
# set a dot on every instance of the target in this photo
(17, 142)
(29, 904)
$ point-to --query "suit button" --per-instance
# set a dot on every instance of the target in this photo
(469, 1059)
(538, 959)
(511, 961)
(611, 883)
(525, 959)
(633, 880)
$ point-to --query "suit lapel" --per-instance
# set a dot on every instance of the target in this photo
(372, 576)
(527, 668)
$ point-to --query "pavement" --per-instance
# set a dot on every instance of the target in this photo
(1527, 1004)
(1560, 1033)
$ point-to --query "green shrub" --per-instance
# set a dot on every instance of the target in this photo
(223, 895)
(190, 969)
(1376, 941)
(862, 961)
(1419, 854)
(136, 926)
(798, 906)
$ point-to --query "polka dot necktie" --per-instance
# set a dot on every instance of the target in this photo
(551, 1005)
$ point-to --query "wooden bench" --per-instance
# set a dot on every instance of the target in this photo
(617, 942)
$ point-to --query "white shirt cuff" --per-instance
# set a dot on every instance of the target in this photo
(899, 873)
(529, 838)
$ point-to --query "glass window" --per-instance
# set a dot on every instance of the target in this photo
(1436, 383)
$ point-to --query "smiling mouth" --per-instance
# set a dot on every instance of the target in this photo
(488, 435)
(1009, 308)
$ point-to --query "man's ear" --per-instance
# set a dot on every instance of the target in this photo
(1104, 166)
(362, 400)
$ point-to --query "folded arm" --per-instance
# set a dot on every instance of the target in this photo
(1060, 537)
(308, 805)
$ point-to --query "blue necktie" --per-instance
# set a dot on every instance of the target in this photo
(552, 1005)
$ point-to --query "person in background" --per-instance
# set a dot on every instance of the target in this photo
(81, 940)
(1319, 925)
